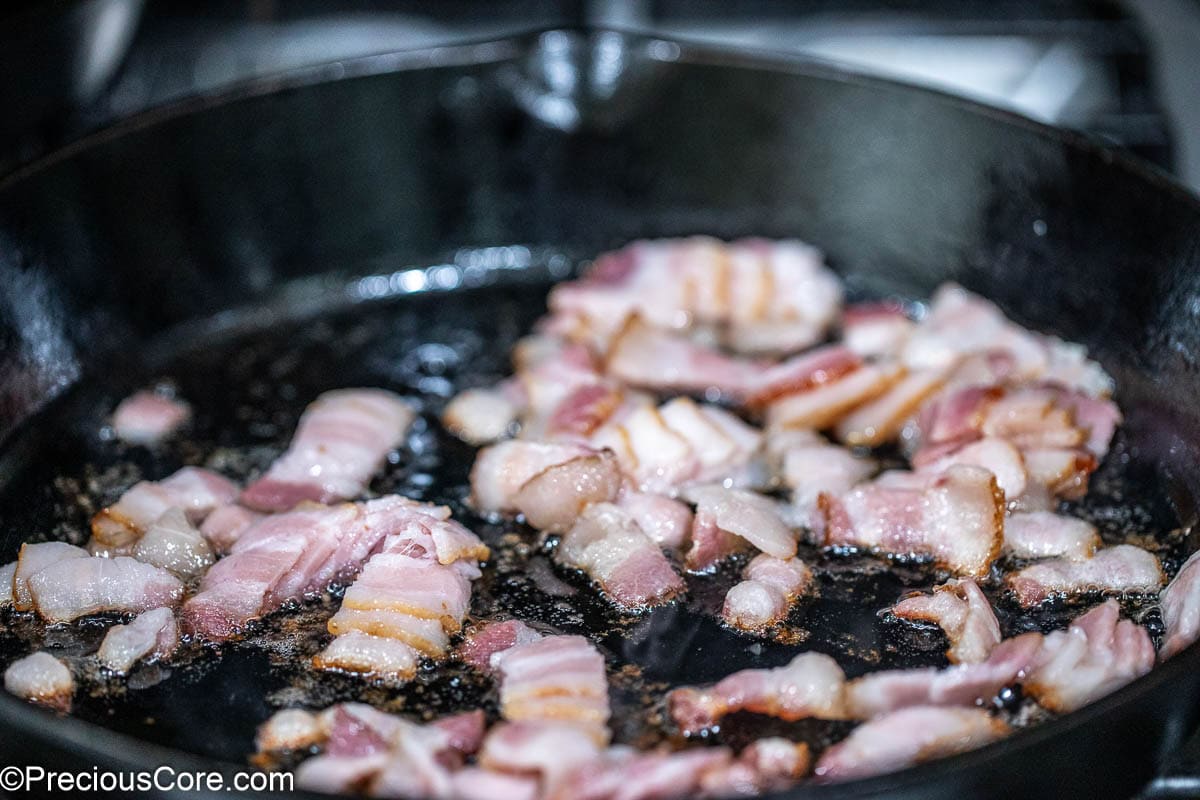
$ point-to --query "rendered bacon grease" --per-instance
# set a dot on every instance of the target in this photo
(687, 407)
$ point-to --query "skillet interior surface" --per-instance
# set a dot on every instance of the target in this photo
(1112, 263)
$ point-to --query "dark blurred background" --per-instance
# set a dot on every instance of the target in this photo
(1126, 71)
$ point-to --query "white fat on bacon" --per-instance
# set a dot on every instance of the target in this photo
(960, 608)
(41, 678)
(342, 439)
(549, 751)
(755, 518)
(809, 465)
(607, 543)
(1096, 655)
(880, 420)
(154, 634)
(225, 525)
(766, 594)
(665, 520)
(907, 737)
(75, 587)
(955, 518)
(1121, 569)
(879, 693)
(484, 415)
(821, 405)
(876, 330)
(1044, 534)
(811, 685)
(147, 418)
(197, 491)
(1180, 603)
(173, 544)
(32, 559)
(997, 456)
(559, 679)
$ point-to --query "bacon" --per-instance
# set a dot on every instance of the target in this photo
(1122, 569)
(31, 560)
(1097, 654)
(75, 587)
(484, 415)
(766, 594)
(607, 544)
(956, 518)
(1043, 534)
(879, 693)
(627, 774)
(7, 573)
(541, 476)
(291, 729)
(1180, 603)
(825, 403)
(754, 517)
(558, 679)
(554, 498)
(997, 456)
(473, 783)
(197, 491)
(654, 358)
(173, 544)
(811, 685)
(549, 750)
(147, 418)
(342, 439)
(153, 635)
(963, 612)
(876, 329)
(709, 544)
(43, 679)
(486, 642)
(225, 525)
(809, 465)
(880, 421)
(907, 737)
(666, 521)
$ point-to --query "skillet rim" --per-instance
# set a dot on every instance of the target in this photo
(108, 747)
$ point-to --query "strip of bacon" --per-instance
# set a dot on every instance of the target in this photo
(663, 360)
(880, 420)
(342, 439)
(963, 612)
(550, 751)
(754, 517)
(1122, 569)
(492, 638)
(955, 518)
(607, 544)
(76, 587)
(997, 456)
(766, 594)
(41, 678)
(1180, 603)
(226, 524)
(558, 679)
(907, 737)
(876, 329)
(152, 635)
(809, 465)
(823, 404)
(173, 544)
(1043, 534)
(197, 491)
(879, 693)
(147, 418)
(1097, 654)
(32, 559)
(665, 520)
(811, 685)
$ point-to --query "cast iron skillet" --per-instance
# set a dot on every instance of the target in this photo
(157, 247)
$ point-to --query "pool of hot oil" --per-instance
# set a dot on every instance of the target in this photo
(247, 389)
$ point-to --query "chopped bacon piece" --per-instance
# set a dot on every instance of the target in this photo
(769, 588)
(1180, 603)
(485, 415)
(550, 750)
(75, 587)
(31, 560)
(880, 421)
(811, 685)
(879, 693)
(754, 517)
(557, 679)
(960, 609)
(665, 520)
(154, 634)
(654, 358)
(809, 465)
(955, 517)
(825, 403)
(542, 475)
(709, 544)
(197, 491)
(147, 418)
(997, 456)
(876, 329)
(607, 543)
(554, 498)
(473, 783)
(225, 525)
(486, 642)
(806, 373)
(41, 678)
(1122, 569)
(173, 544)
(1097, 654)
(291, 729)
(342, 439)
(908, 737)
(1043, 534)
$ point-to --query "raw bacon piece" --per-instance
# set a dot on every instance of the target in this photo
(957, 517)
(879, 693)
(225, 525)
(608, 545)
(548, 750)
(1097, 654)
(907, 737)
(75, 587)
(809, 465)
(754, 517)
(997, 456)
(173, 544)
(554, 498)
(492, 638)
(366, 654)
(960, 609)
(811, 685)
(485, 415)
(291, 729)
(1122, 569)
(147, 418)
(41, 678)
(666, 521)
(473, 783)
(622, 773)
(769, 588)
(342, 439)
(879, 421)
(502, 473)
(197, 491)
(653, 358)
(823, 405)
(1180, 603)
(558, 679)
(154, 634)
(31, 560)
(1043, 534)
(709, 544)
(808, 372)
(876, 329)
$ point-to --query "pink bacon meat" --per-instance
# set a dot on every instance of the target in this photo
(492, 638)
(198, 492)
(963, 612)
(342, 439)
(148, 417)
(766, 594)
(559, 679)
(1122, 569)
(811, 685)
(75, 587)
(956, 518)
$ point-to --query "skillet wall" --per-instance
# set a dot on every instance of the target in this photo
(582, 142)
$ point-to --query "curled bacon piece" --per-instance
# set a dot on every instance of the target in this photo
(963, 612)
(1121, 569)
(197, 491)
(770, 587)
(41, 678)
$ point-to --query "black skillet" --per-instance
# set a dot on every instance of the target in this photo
(395, 221)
